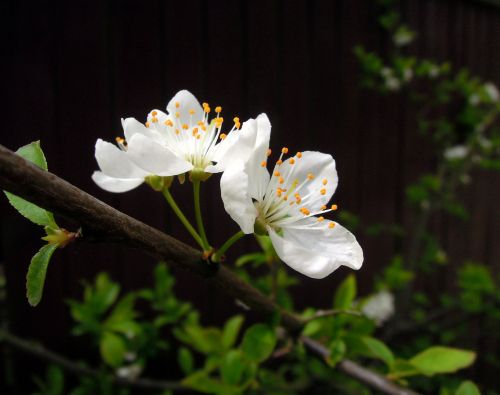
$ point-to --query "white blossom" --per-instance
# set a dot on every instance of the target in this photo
(456, 152)
(379, 307)
(289, 205)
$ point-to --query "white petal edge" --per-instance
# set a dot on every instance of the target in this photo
(116, 185)
(236, 198)
(187, 101)
(155, 158)
(114, 162)
(317, 252)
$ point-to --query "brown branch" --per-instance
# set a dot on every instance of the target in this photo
(331, 313)
(104, 223)
(78, 369)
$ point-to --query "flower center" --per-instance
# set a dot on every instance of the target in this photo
(292, 195)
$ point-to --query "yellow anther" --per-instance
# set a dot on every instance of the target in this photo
(168, 122)
(298, 200)
(263, 163)
(177, 104)
(323, 208)
(237, 125)
(305, 211)
(334, 207)
(195, 130)
(218, 109)
(323, 191)
(299, 155)
(281, 180)
(191, 112)
(325, 181)
(269, 152)
(203, 127)
(310, 176)
(147, 124)
(331, 225)
(185, 126)
(321, 219)
(222, 136)
(154, 119)
(279, 162)
(206, 109)
(284, 150)
(236, 120)
(292, 161)
(198, 137)
(285, 198)
(177, 131)
(177, 115)
(205, 104)
(120, 140)
(154, 113)
(277, 173)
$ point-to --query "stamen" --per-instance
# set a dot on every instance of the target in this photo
(177, 104)
(331, 225)
(168, 122)
(279, 162)
(185, 127)
(334, 207)
(263, 163)
(292, 161)
(281, 180)
(298, 155)
(277, 173)
(154, 113)
(147, 124)
(218, 109)
(269, 152)
(177, 115)
(222, 136)
(323, 191)
(325, 181)
(284, 150)
(191, 112)
(323, 208)
(321, 219)
(310, 176)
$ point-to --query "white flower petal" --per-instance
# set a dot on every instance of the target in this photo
(318, 251)
(113, 184)
(322, 166)
(237, 201)
(186, 102)
(115, 163)
(155, 158)
(132, 126)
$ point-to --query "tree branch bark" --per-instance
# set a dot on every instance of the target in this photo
(104, 223)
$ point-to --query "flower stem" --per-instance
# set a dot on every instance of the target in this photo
(229, 242)
(182, 217)
(199, 218)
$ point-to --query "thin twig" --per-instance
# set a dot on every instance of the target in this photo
(103, 223)
(78, 369)
(331, 313)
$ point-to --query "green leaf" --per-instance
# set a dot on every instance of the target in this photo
(33, 153)
(337, 351)
(200, 381)
(438, 360)
(112, 349)
(468, 388)
(345, 294)
(232, 367)
(35, 278)
(258, 342)
(185, 359)
(231, 330)
(378, 349)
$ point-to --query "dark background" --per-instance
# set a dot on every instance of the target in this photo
(71, 70)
